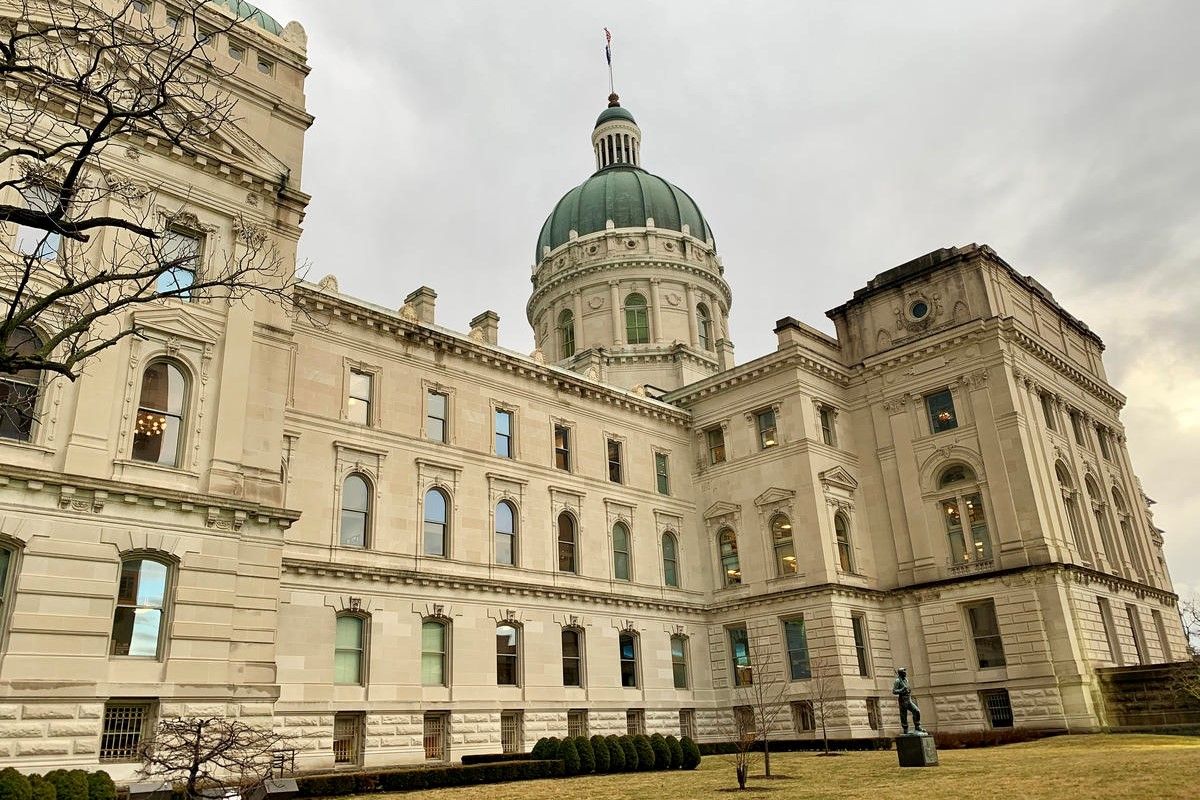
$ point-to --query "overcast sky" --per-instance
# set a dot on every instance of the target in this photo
(825, 142)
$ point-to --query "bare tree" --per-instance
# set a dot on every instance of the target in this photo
(210, 752)
(764, 689)
(87, 87)
(822, 691)
(740, 729)
(1189, 615)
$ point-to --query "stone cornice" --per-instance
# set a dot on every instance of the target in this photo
(1104, 393)
(791, 357)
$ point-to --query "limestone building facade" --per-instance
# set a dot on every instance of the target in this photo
(398, 542)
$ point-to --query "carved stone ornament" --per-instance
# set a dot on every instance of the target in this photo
(673, 298)
(249, 234)
(127, 189)
(894, 405)
(976, 379)
(538, 356)
(406, 311)
(328, 284)
(355, 604)
(596, 301)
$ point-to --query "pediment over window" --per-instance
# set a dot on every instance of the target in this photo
(721, 509)
(839, 477)
(173, 322)
(773, 496)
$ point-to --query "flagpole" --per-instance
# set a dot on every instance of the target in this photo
(608, 58)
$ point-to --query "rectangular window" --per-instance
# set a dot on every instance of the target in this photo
(347, 738)
(205, 34)
(997, 707)
(562, 447)
(1110, 631)
(179, 254)
(716, 445)
(504, 430)
(577, 722)
(635, 721)
(739, 652)
(802, 716)
(940, 406)
(859, 624)
(985, 630)
(687, 722)
(1161, 629)
(1106, 449)
(662, 474)
(765, 420)
(435, 416)
(1135, 627)
(1079, 430)
(614, 460)
(125, 726)
(873, 716)
(828, 432)
(797, 649)
(173, 22)
(512, 737)
(1048, 411)
(743, 720)
(358, 403)
(436, 734)
(679, 668)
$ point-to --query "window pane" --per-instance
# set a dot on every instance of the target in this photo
(941, 411)
(347, 667)
(435, 539)
(797, 647)
(730, 567)
(5, 560)
(354, 494)
(661, 473)
(135, 631)
(504, 434)
(353, 529)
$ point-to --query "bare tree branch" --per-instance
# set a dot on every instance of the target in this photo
(210, 752)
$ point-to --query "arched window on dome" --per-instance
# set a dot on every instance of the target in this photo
(566, 334)
(704, 326)
(637, 320)
(19, 390)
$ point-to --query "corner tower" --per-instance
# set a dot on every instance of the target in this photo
(627, 284)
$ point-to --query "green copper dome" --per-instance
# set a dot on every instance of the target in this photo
(246, 12)
(627, 195)
(614, 112)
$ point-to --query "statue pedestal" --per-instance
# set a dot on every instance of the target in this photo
(915, 750)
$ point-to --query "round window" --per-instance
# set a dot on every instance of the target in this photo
(919, 309)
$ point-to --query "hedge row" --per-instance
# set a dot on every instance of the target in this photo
(401, 780)
(791, 745)
(639, 753)
(492, 758)
(59, 784)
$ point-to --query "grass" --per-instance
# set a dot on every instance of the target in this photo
(1072, 767)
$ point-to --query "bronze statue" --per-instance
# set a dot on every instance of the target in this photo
(903, 693)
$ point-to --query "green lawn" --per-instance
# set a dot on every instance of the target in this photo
(1071, 767)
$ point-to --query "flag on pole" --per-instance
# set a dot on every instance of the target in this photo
(608, 46)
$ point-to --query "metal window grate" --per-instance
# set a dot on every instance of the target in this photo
(346, 738)
(435, 737)
(577, 723)
(803, 717)
(510, 733)
(635, 721)
(687, 722)
(873, 713)
(124, 727)
(998, 707)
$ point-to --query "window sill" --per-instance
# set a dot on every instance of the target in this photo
(24, 445)
(130, 463)
(970, 567)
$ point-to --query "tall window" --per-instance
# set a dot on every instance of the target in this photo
(620, 545)
(356, 511)
(436, 527)
(433, 653)
(637, 321)
(358, 403)
(1048, 413)
(765, 420)
(562, 447)
(137, 628)
(125, 726)
(1071, 505)
(662, 474)
(969, 543)
(436, 407)
(1131, 545)
(614, 460)
(349, 647)
(627, 644)
(731, 569)
(19, 390)
(158, 429)
(504, 426)
(841, 532)
(679, 665)
(179, 255)
(508, 656)
(940, 407)
(803, 718)
(1135, 628)
(739, 653)
(1079, 430)
(873, 715)
(1110, 631)
(566, 543)
(687, 722)
(1100, 513)
(715, 438)
(704, 325)
(796, 639)
(1161, 629)
(1106, 448)
(36, 242)
(6, 563)
(828, 431)
(670, 555)
(858, 624)
(985, 630)
(781, 539)
(572, 657)
(566, 334)
(506, 533)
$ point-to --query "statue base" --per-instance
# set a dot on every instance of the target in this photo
(916, 750)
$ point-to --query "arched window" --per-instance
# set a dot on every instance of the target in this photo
(572, 657)
(433, 653)
(137, 628)
(670, 556)
(508, 658)
(1100, 513)
(637, 320)
(566, 543)
(158, 429)
(620, 545)
(506, 533)
(19, 390)
(966, 521)
(436, 528)
(731, 569)
(841, 531)
(356, 511)
(1123, 519)
(679, 664)
(566, 334)
(1071, 504)
(629, 659)
(781, 540)
(349, 649)
(704, 326)
(955, 473)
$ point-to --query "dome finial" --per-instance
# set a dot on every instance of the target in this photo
(614, 101)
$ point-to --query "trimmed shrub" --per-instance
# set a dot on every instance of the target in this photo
(600, 754)
(570, 756)
(325, 785)
(676, 752)
(100, 786)
(538, 751)
(13, 785)
(587, 759)
(662, 751)
(41, 789)
(616, 754)
(492, 758)
(631, 753)
(72, 785)
(691, 753)
(645, 752)
(553, 748)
